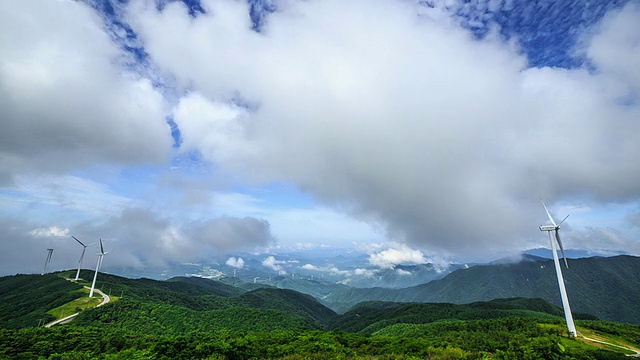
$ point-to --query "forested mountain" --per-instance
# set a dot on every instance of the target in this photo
(369, 317)
(189, 304)
(25, 299)
(205, 319)
(608, 288)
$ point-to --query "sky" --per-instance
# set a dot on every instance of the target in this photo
(413, 131)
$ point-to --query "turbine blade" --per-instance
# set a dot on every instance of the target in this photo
(548, 213)
(561, 248)
(76, 239)
(101, 248)
(565, 218)
(82, 256)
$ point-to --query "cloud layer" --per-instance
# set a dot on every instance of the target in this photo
(66, 101)
(386, 110)
(136, 239)
(404, 120)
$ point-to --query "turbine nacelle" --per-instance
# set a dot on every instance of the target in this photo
(555, 228)
(547, 228)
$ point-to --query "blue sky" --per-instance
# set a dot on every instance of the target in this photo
(180, 131)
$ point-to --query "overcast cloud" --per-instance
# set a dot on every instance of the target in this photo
(138, 238)
(407, 121)
(66, 103)
(387, 111)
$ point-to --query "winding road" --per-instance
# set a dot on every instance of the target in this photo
(637, 353)
(64, 320)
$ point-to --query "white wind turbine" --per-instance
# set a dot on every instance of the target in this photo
(84, 248)
(46, 262)
(563, 292)
(95, 275)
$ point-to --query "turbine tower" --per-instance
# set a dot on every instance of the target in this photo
(84, 248)
(95, 275)
(46, 262)
(563, 292)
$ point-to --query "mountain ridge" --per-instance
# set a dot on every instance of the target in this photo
(590, 282)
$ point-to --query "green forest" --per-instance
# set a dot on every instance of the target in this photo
(191, 318)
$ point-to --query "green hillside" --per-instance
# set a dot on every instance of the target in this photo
(163, 319)
(318, 288)
(186, 318)
(292, 302)
(25, 299)
(607, 288)
(182, 305)
(212, 287)
(369, 317)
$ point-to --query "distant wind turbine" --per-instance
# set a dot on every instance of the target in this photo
(95, 275)
(46, 262)
(563, 292)
(84, 248)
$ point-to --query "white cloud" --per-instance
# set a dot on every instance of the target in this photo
(402, 272)
(310, 267)
(614, 48)
(49, 232)
(214, 128)
(398, 254)
(335, 271)
(401, 120)
(66, 101)
(235, 262)
(364, 272)
(273, 264)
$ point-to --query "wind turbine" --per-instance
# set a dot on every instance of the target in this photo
(95, 275)
(46, 262)
(84, 248)
(563, 292)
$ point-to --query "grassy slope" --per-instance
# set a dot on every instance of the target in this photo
(26, 299)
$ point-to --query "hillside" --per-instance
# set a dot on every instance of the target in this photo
(25, 299)
(292, 302)
(200, 318)
(212, 287)
(183, 304)
(607, 288)
(369, 317)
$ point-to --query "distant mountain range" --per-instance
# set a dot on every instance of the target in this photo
(306, 271)
(608, 288)
(320, 272)
(573, 254)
